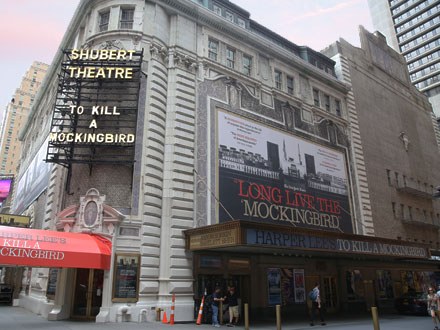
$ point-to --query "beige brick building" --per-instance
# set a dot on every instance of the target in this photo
(395, 127)
(16, 115)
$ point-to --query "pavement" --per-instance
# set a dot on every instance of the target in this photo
(17, 318)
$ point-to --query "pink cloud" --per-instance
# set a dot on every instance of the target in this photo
(32, 28)
(320, 11)
(313, 23)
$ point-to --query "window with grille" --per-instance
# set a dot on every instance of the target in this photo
(290, 85)
(241, 22)
(278, 79)
(126, 21)
(217, 10)
(104, 18)
(316, 97)
(230, 58)
(229, 16)
(338, 107)
(327, 102)
(213, 49)
(247, 65)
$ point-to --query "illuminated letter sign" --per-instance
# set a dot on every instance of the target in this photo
(95, 113)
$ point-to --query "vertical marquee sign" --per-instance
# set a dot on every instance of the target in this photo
(95, 113)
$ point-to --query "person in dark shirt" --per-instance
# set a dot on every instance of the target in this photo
(215, 306)
(232, 300)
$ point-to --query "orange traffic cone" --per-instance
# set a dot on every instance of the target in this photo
(164, 319)
(199, 318)
(172, 309)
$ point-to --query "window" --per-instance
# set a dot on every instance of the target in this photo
(289, 85)
(338, 107)
(327, 102)
(229, 16)
(393, 205)
(278, 79)
(316, 97)
(230, 58)
(126, 21)
(241, 22)
(104, 18)
(217, 10)
(213, 49)
(247, 65)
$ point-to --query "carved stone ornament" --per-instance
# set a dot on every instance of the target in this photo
(184, 61)
(405, 140)
(111, 44)
(91, 216)
(159, 52)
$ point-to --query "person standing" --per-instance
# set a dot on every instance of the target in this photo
(216, 298)
(438, 290)
(232, 300)
(433, 306)
(315, 297)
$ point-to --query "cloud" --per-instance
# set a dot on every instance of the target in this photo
(31, 35)
(30, 30)
(313, 23)
(320, 11)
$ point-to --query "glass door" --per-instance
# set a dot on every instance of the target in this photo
(87, 297)
(329, 293)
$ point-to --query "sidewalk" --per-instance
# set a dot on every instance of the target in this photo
(18, 318)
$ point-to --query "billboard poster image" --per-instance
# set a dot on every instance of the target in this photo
(267, 175)
(5, 188)
(300, 289)
(292, 286)
(274, 286)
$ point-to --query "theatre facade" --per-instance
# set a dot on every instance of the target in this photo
(199, 149)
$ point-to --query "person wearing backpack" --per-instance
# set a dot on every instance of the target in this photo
(315, 297)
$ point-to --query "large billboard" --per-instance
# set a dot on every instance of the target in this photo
(267, 175)
(32, 182)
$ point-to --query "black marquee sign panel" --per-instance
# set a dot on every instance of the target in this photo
(95, 113)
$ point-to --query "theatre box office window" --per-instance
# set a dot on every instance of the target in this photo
(126, 278)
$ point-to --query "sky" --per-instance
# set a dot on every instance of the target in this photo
(31, 30)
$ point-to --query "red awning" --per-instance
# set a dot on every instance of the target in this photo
(46, 248)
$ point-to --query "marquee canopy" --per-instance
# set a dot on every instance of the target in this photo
(45, 248)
